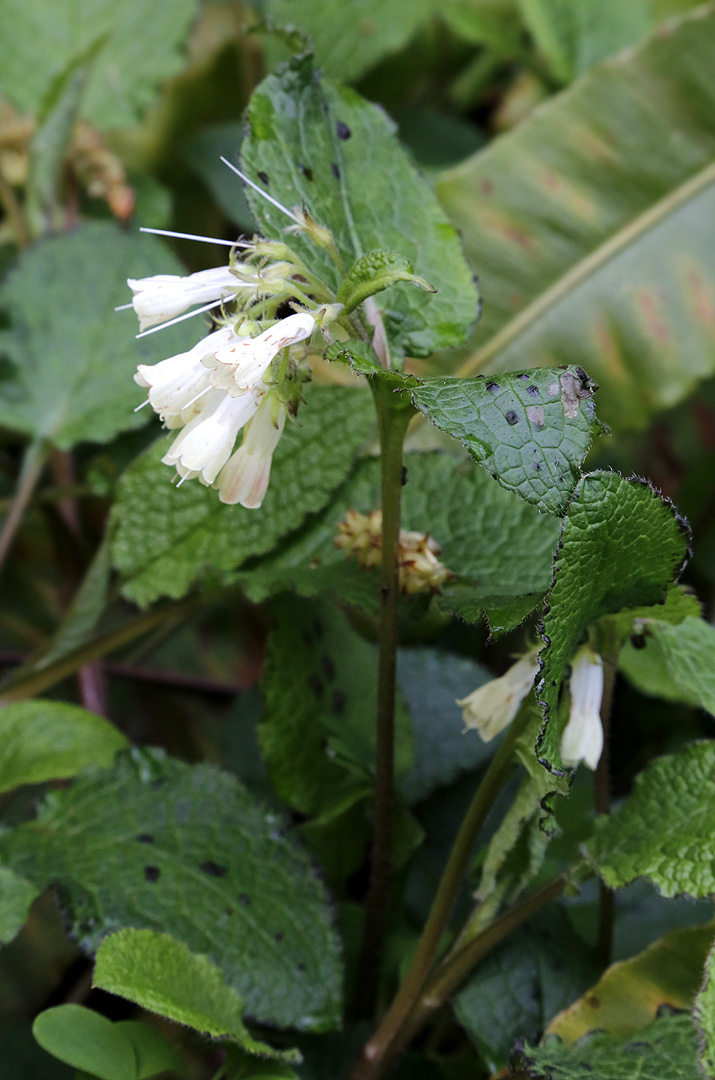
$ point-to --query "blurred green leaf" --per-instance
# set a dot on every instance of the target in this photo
(73, 358)
(666, 1048)
(319, 143)
(202, 152)
(16, 898)
(591, 227)
(165, 540)
(531, 430)
(688, 654)
(664, 829)
(50, 740)
(141, 50)
(621, 545)
(163, 976)
(24, 1059)
(704, 1013)
(156, 844)
(90, 1042)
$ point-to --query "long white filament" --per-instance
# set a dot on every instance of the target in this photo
(193, 236)
(260, 191)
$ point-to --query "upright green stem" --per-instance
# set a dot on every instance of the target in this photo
(380, 1046)
(32, 466)
(393, 412)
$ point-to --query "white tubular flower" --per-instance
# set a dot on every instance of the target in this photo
(177, 386)
(245, 478)
(237, 368)
(492, 707)
(163, 296)
(205, 444)
(582, 739)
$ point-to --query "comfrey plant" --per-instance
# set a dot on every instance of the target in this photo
(365, 861)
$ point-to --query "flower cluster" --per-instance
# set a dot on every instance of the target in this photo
(419, 567)
(492, 707)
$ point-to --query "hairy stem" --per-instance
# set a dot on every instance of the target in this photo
(393, 414)
(379, 1048)
(32, 466)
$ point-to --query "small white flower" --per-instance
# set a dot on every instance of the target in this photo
(492, 707)
(177, 385)
(245, 478)
(238, 367)
(582, 739)
(205, 444)
(163, 296)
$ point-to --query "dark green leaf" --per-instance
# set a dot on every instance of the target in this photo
(86, 1040)
(667, 1048)
(664, 829)
(16, 898)
(324, 145)
(23, 1059)
(166, 539)
(592, 228)
(156, 844)
(73, 357)
(622, 545)
(359, 354)
(530, 430)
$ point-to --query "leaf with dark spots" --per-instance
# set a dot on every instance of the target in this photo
(338, 701)
(213, 869)
(145, 838)
(343, 130)
(152, 873)
(263, 177)
(511, 417)
(335, 170)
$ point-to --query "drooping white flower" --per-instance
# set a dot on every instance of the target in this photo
(204, 446)
(163, 296)
(237, 367)
(492, 707)
(177, 385)
(245, 478)
(582, 739)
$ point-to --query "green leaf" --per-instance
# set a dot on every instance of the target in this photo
(141, 50)
(629, 994)
(163, 976)
(159, 845)
(688, 653)
(663, 830)
(17, 896)
(49, 740)
(152, 1053)
(165, 539)
(530, 430)
(622, 545)
(360, 355)
(324, 145)
(667, 1048)
(350, 38)
(86, 1040)
(318, 730)
(517, 989)
(375, 271)
(498, 546)
(591, 228)
(704, 1015)
(430, 681)
(73, 365)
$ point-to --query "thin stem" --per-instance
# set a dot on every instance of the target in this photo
(602, 791)
(14, 212)
(393, 418)
(32, 466)
(379, 1046)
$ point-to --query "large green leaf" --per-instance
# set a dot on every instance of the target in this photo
(315, 142)
(530, 430)
(622, 545)
(166, 539)
(141, 50)
(50, 740)
(163, 976)
(667, 1048)
(156, 844)
(664, 830)
(592, 227)
(704, 1013)
(72, 357)
(687, 653)
(499, 547)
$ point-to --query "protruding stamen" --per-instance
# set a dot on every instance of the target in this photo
(192, 236)
(260, 191)
(142, 405)
(123, 307)
(188, 315)
(196, 398)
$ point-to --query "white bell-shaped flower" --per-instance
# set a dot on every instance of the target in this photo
(492, 707)
(238, 367)
(162, 297)
(204, 446)
(177, 385)
(245, 478)
(582, 739)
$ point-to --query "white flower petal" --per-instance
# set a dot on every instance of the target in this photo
(582, 739)
(205, 444)
(245, 478)
(492, 707)
(163, 296)
(239, 367)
